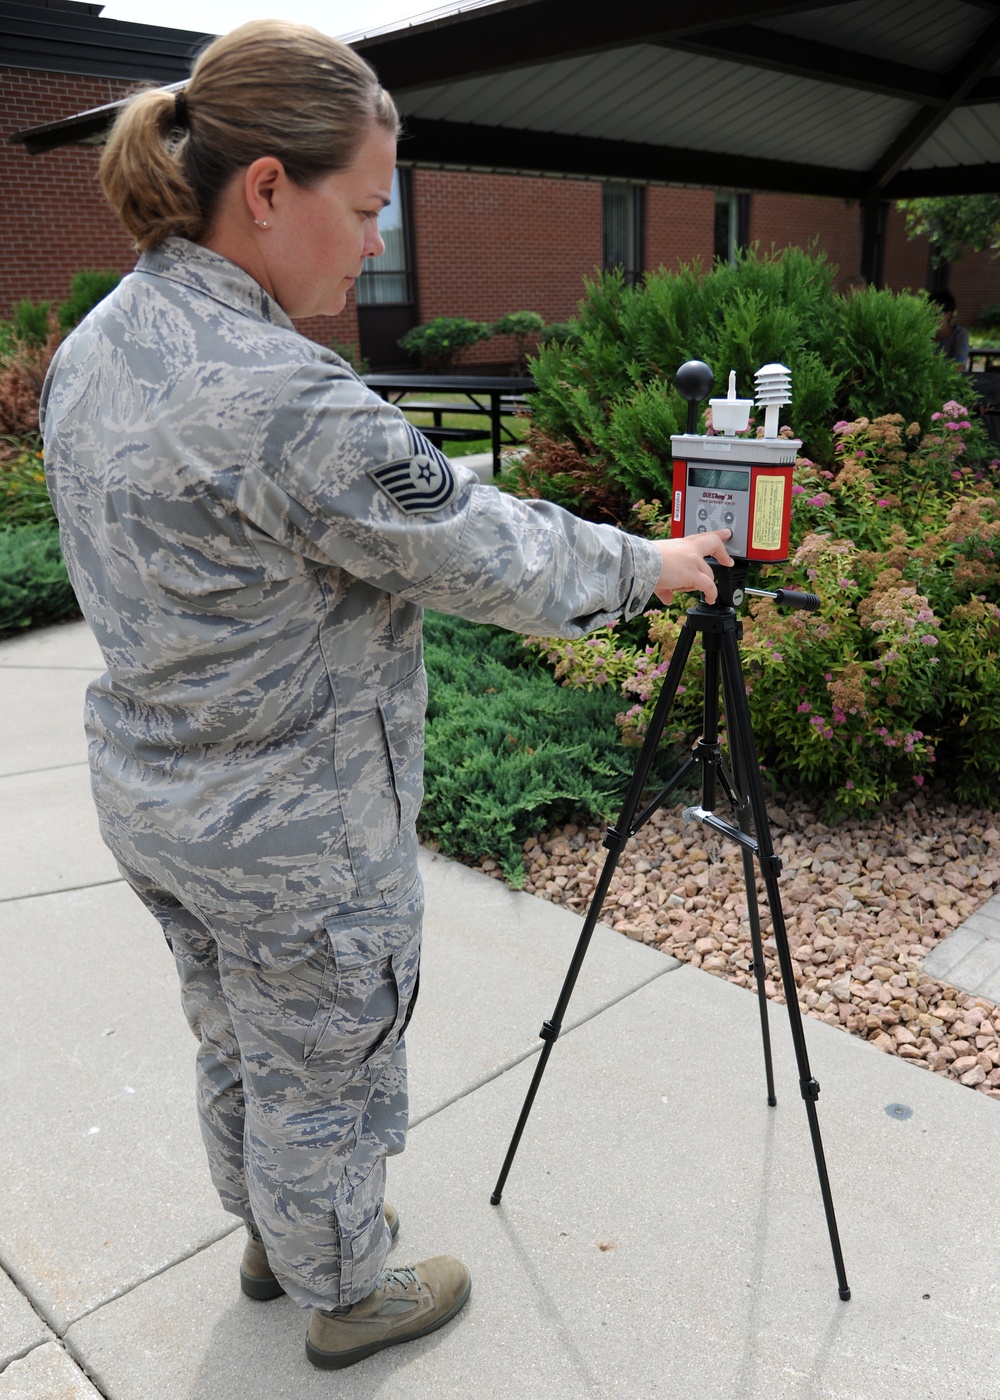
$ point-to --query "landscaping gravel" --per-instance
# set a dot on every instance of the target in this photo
(864, 901)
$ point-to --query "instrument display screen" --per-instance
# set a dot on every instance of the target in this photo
(718, 479)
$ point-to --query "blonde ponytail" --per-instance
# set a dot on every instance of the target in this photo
(271, 87)
(142, 172)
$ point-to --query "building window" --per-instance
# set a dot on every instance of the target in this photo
(622, 207)
(732, 224)
(388, 281)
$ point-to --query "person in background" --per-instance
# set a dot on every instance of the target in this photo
(950, 338)
(252, 535)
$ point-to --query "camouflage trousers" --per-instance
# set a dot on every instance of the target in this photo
(301, 1074)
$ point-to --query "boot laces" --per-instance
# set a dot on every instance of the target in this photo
(398, 1278)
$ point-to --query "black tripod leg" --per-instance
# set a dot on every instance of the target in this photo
(741, 804)
(741, 737)
(759, 970)
(712, 775)
(614, 841)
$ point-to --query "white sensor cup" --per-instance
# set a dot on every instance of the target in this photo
(730, 415)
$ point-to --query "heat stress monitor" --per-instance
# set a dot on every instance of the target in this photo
(740, 484)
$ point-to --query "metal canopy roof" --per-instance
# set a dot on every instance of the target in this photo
(858, 99)
(66, 36)
(861, 99)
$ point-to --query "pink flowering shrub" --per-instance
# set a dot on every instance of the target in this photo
(896, 678)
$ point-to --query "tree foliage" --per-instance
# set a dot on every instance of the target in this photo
(955, 224)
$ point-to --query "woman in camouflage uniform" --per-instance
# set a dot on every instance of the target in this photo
(252, 535)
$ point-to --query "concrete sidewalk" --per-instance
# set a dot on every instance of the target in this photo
(661, 1233)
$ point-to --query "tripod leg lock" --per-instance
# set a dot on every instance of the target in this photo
(613, 840)
(550, 1031)
(809, 1088)
(770, 865)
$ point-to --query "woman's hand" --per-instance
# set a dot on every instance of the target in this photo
(684, 569)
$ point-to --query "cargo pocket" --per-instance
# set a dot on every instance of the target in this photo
(375, 959)
(364, 1238)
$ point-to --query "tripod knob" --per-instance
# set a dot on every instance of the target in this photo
(694, 382)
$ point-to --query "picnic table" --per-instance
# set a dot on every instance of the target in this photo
(489, 396)
(985, 360)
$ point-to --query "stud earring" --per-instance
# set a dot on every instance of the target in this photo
(261, 223)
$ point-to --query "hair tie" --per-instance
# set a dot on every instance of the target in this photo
(180, 110)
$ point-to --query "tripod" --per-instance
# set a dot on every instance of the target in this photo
(720, 630)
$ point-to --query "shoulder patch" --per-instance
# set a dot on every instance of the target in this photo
(420, 482)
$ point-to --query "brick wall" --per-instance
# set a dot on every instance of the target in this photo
(835, 225)
(489, 244)
(905, 261)
(680, 226)
(55, 221)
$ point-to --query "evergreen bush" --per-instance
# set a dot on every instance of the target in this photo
(438, 342)
(86, 289)
(34, 585)
(508, 751)
(29, 325)
(608, 392)
(558, 333)
(523, 326)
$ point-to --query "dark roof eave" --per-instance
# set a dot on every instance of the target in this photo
(944, 180)
(83, 129)
(460, 144)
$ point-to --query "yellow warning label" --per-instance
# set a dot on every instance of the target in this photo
(768, 512)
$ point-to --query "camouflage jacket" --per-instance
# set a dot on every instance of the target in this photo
(252, 534)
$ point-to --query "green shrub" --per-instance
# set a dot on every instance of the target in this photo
(30, 325)
(34, 585)
(884, 359)
(438, 342)
(519, 323)
(609, 391)
(86, 289)
(508, 751)
(523, 326)
(558, 333)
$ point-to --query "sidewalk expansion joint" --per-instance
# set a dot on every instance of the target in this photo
(63, 889)
(45, 768)
(141, 1282)
(32, 1303)
(79, 1362)
(94, 671)
(516, 1060)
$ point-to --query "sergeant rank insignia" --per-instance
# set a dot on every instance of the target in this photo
(419, 483)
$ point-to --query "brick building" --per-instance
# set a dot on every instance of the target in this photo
(471, 243)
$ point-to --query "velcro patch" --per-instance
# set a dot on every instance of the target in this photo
(419, 483)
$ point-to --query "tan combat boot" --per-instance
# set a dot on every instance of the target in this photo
(405, 1304)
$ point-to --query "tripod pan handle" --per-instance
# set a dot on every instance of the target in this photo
(788, 598)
